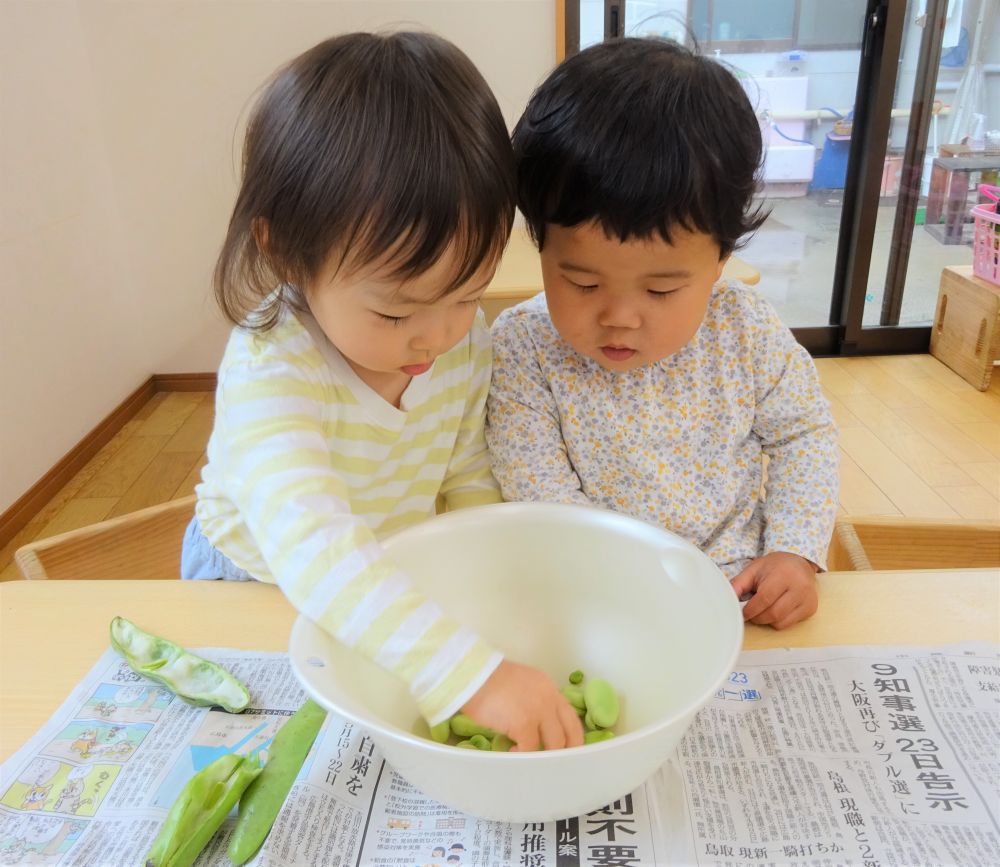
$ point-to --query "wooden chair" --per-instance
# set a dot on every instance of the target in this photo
(143, 544)
(866, 543)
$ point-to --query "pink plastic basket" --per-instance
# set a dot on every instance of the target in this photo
(986, 240)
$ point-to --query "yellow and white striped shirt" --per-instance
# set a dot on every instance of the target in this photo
(308, 468)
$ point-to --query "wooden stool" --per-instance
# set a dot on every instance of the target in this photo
(966, 331)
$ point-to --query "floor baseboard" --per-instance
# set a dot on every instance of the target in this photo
(184, 381)
(30, 504)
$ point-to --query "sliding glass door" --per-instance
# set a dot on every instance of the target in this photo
(947, 101)
(856, 100)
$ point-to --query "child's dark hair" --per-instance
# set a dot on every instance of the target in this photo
(366, 145)
(642, 136)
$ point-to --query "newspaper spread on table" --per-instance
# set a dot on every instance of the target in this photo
(824, 756)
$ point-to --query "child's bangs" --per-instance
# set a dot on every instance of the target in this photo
(407, 241)
(645, 138)
(633, 202)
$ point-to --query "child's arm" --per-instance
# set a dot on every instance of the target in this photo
(799, 436)
(324, 558)
(332, 569)
(468, 480)
(523, 428)
(515, 695)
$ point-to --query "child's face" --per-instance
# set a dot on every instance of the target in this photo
(627, 304)
(389, 330)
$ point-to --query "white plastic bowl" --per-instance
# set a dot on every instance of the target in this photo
(558, 587)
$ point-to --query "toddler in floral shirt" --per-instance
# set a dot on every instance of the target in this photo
(642, 381)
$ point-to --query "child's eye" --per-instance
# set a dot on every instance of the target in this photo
(395, 320)
(661, 294)
(583, 287)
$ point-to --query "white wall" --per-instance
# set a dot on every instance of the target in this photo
(118, 156)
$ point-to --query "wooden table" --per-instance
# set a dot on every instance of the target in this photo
(52, 632)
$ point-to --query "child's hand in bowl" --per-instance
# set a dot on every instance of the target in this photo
(525, 704)
(783, 587)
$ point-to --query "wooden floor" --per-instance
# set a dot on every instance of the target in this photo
(915, 440)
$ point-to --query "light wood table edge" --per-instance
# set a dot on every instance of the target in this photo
(52, 632)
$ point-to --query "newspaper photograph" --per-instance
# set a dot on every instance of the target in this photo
(809, 757)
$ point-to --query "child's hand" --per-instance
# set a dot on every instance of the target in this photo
(784, 588)
(525, 705)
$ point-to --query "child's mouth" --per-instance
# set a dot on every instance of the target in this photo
(617, 353)
(417, 369)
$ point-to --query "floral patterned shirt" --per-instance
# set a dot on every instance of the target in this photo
(681, 443)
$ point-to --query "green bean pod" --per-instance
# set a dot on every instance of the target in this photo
(260, 806)
(200, 809)
(194, 679)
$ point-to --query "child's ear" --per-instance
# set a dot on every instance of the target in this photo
(722, 264)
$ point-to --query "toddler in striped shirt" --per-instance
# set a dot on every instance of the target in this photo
(377, 196)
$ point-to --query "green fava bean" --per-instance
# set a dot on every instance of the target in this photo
(576, 677)
(200, 809)
(260, 806)
(588, 722)
(602, 702)
(481, 742)
(441, 732)
(574, 695)
(465, 727)
(501, 743)
(467, 745)
(597, 736)
(194, 679)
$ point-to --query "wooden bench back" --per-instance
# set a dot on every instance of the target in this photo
(143, 544)
(908, 543)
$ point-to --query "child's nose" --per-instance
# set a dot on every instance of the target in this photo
(433, 338)
(619, 314)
